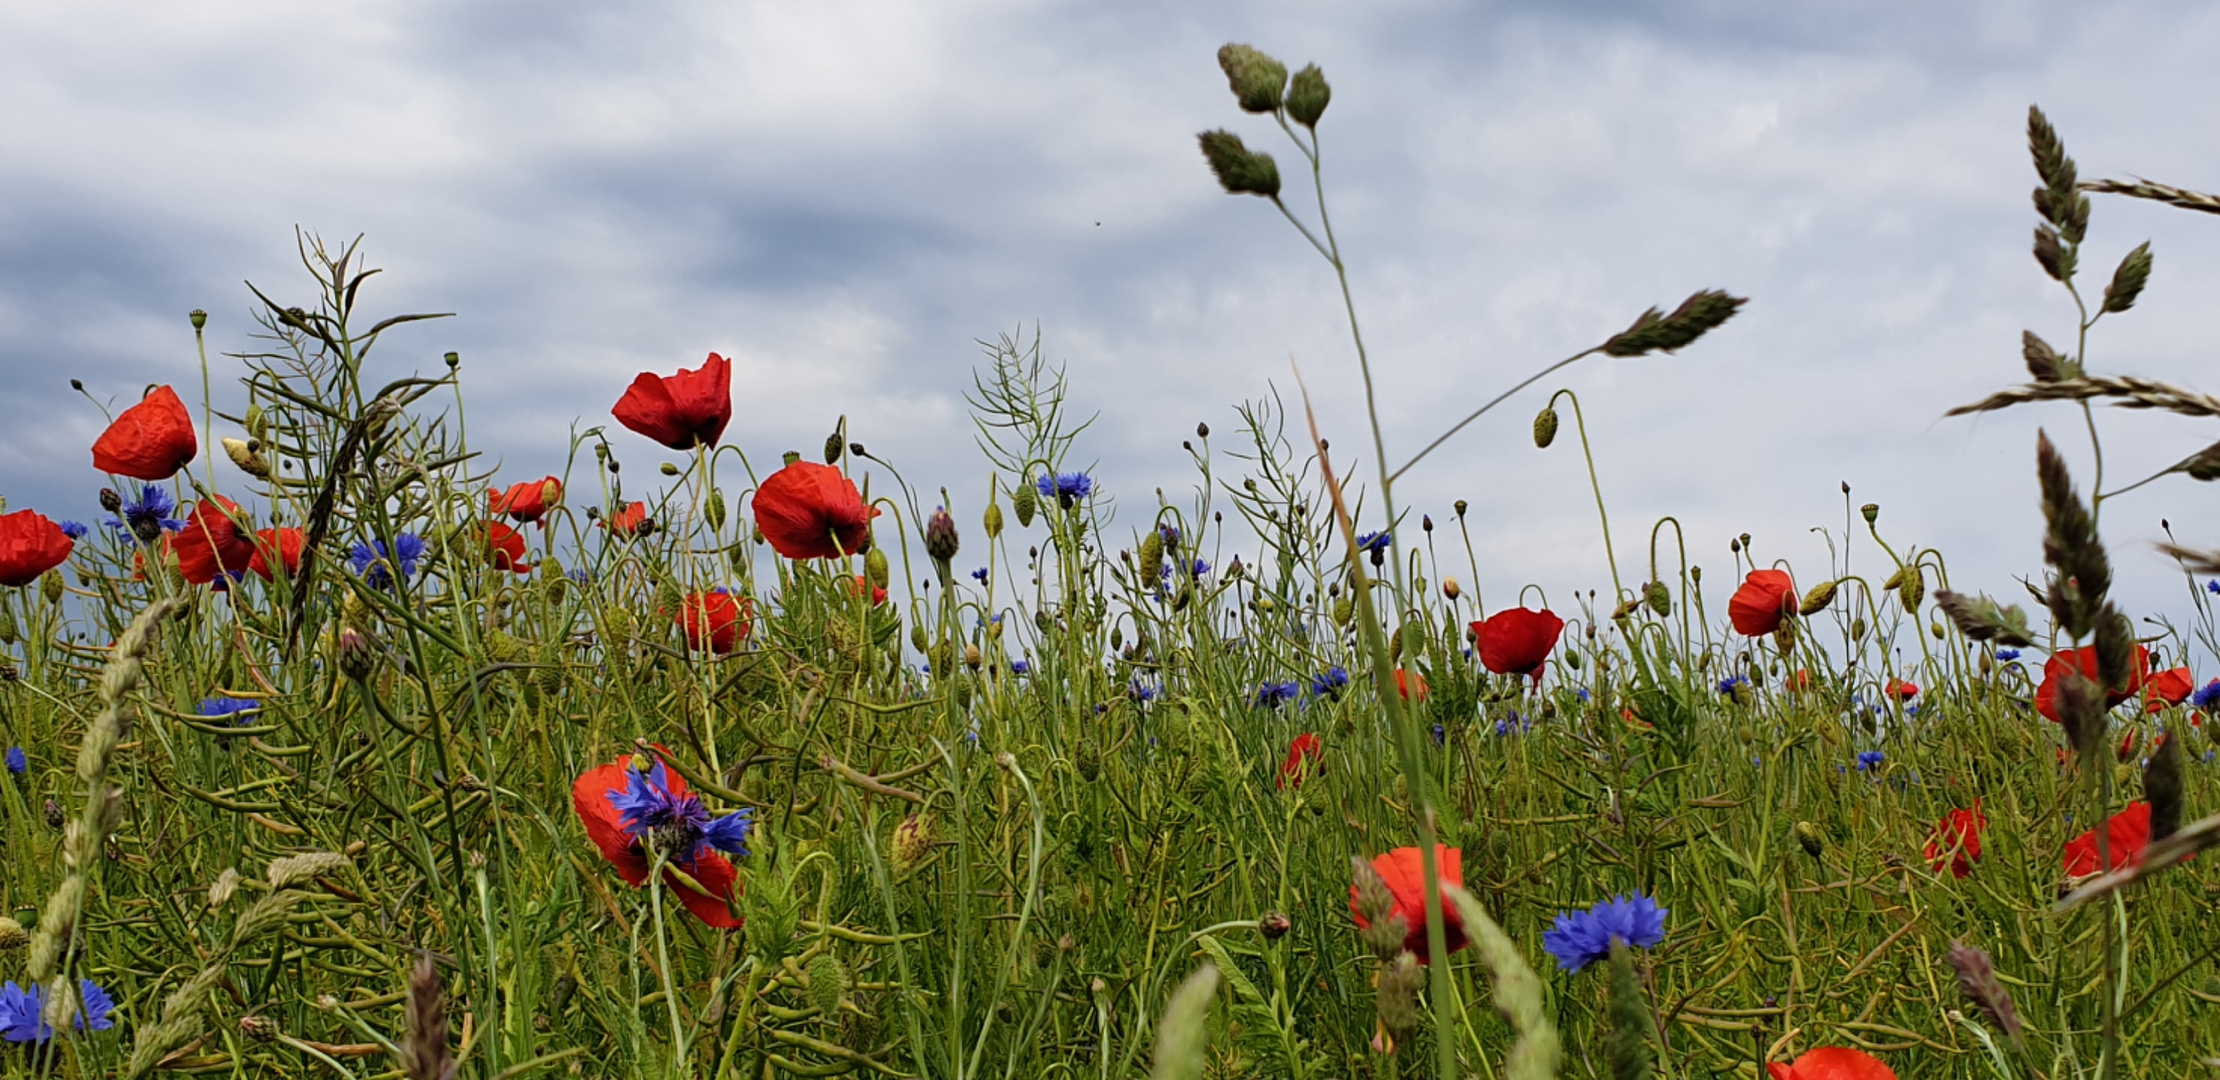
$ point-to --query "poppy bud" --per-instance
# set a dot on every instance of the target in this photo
(1308, 95)
(7, 626)
(1449, 588)
(972, 656)
(1913, 588)
(51, 586)
(55, 815)
(1784, 638)
(1240, 170)
(875, 568)
(667, 469)
(940, 535)
(1936, 628)
(1818, 598)
(1545, 428)
(918, 638)
(1202, 431)
(993, 521)
(1152, 557)
(1807, 837)
(198, 317)
(110, 501)
(825, 979)
(1734, 546)
(832, 448)
(1344, 611)
(242, 454)
(713, 508)
(1660, 598)
(1258, 81)
(1022, 500)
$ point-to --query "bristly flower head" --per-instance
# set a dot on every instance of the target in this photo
(676, 821)
(1066, 488)
(1580, 938)
(148, 516)
(2207, 696)
(376, 565)
(1373, 542)
(23, 1011)
(75, 530)
(1333, 679)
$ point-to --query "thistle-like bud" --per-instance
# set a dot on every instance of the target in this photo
(1240, 170)
(1274, 926)
(1660, 599)
(913, 840)
(110, 501)
(1545, 428)
(241, 452)
(1308, 95)
(1978, 982)
(358, 657)
(940, 535)
(1024, 503)
(12, 934)
(993, 520)
(1259, 82)
(2162, 786)
(1809, 838)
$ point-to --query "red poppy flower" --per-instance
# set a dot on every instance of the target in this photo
(629, 520)
(2170, 687)
(1303, 757)
(505, 548)
(1798, 681)
(2126, 834)
(2127, 744)
(283, 544)
(1404, 871)
(1765, 598)
(592, 796)
(1956, 841)
(528, 501)
(1901, 690)
(715, 620)
(862, 585)
(148, 441)
(30, 545)
(1831, 1063)
(681, 411)
(1516, 641)
(2084, 659)
(211, 543)
(811, 511)
(1413, 690)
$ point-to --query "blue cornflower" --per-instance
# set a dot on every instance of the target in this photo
(2213, 586)
(376, 565)
(1170, 533)
(1582, 692)
(580, 575)
(1330, 682)
(17, 763)
(1065, 488)
(148, 516)
(1272, 695)
(236, 708)
(1201, 568)
(1020, 667)
(2207, 696)
(678, 823)
(2006, 656)
(979, 575)
(23, 1011)
(1580, 938)
(1870, 760)
(75, 530)
(1441, 735)
(1140, 691)
(1374, 543)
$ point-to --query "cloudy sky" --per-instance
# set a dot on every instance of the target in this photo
(843, 195)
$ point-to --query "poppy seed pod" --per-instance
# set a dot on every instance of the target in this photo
(1872, 512)
(1240, 170)
(1545, 428)
(1460, 506)
(1818, 598)
(941, 542)
(1308, 95)
(1258, 82)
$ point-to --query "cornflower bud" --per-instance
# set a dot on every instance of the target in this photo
(940, 535)
(358, 658)
(1274, 926)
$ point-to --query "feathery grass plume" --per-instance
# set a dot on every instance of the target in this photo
(2132, 392)
(424, 1053)
(2128, 280)
(2115, 651)
(12, 935)
(1384, 929)
(1545, 427)
(2059, 200)
(2081, 713)
(1183, 1033)
(1395, 999)
(1240, 170)
(1659, 332)
(83, 841)
(1307, 96)
(2070, 545)
(1258, 82)
(1518, 993)
(2165, 193)
(1978, 982)
(296, 869)
(1628, 1045)
(1982, 619)
(2204, 465)
(2162, 786)
(2044, 364)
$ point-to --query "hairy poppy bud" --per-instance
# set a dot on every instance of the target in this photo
(668, 468)
(972, 656)
(825, 983)
(833, 448)
(1808, 838)
(1308, 95)
(713, 508)
(1913, 588)
(875, 568)
(1784, 638)
(2162, 785)
(940, 535)
(1258, 81)
(51, 586)
(7, 626)
(1023, 501)
(1152, 557)
(242, 454)
(1818, 598)
(993, 521)
(1240, 170)
(1202, 430)
(1660, 599)
(1344, 611)
(1545, 428)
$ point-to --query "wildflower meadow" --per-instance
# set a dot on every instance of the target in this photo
(330, 753)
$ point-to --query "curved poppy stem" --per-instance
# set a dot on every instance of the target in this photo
(1618, 588)
(1492, 403)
